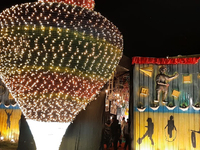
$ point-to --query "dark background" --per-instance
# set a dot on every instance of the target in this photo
(156, 28)
(151, 28)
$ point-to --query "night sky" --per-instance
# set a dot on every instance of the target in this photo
(151, 28)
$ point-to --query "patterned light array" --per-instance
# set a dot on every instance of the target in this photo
(89, 4)
(56, 57)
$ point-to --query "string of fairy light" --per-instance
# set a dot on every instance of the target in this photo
(89, 4)
(55, 57)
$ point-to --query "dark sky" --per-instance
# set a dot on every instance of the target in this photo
(151, 28)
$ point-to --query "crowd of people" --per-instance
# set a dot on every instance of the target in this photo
(115, 132)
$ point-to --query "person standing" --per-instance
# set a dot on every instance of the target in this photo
(123, 123)
(126, 134)
(107, 134)
(119, 133)
(114, 131)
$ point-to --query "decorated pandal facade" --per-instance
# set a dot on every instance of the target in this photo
(10, 116)
(166, 113)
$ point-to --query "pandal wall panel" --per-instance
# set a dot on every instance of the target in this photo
(170, 122)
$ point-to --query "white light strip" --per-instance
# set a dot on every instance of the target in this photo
(47, 135)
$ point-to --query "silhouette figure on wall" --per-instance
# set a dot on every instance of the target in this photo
(149, 132)
(162, 84)
(193, 137)
(171, 127)
(8, 118)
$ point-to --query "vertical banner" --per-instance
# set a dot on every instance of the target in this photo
(166, 104)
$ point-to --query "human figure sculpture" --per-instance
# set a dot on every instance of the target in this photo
(8, 118)
(149, 132)
(170, 126)
(162, 84)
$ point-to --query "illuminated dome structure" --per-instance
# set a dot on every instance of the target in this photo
(55, 58)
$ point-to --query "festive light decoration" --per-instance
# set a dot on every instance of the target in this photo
(55, 57)
(89, 4)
